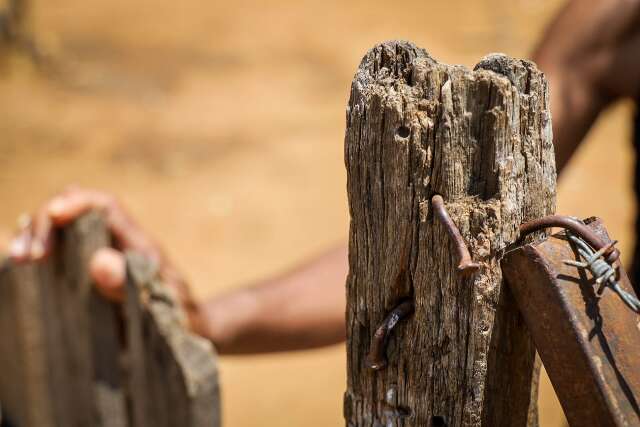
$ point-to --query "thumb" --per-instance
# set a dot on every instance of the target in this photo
(108, 269)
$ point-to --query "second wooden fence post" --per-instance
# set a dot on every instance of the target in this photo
(455, 351)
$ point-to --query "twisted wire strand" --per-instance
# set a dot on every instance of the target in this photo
(602, 271)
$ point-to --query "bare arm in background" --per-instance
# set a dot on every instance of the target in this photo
(302, 309)
(591, 55)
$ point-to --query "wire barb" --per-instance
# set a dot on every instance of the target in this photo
(603, 272)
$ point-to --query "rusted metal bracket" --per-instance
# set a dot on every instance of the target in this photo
(588, 341)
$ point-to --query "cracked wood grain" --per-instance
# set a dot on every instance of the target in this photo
(481, 139)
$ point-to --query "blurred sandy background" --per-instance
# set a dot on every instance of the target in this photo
(220, 125)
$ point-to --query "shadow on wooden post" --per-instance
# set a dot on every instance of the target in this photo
(482, 140)
(70, 358)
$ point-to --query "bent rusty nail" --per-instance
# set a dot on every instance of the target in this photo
(466, 265)
(376, 358)
(575, 226)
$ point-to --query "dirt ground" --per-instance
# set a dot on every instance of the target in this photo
(220, 125)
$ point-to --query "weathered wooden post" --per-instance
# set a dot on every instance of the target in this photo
(482, 140)
(70, 358)
(172, 375)
(60, 337)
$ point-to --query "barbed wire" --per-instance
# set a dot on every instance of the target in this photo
(603, 272)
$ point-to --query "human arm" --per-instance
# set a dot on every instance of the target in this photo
(590, 54)
(301, 309)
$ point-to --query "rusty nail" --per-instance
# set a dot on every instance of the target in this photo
(377, 359)
(575, 226)
(466, 265)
